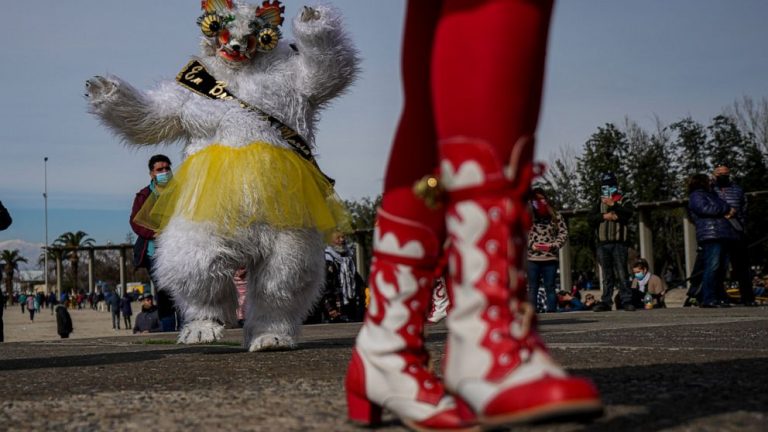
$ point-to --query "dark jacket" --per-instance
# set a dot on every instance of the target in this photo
(125, 306)
(114, 302)
(707, 211)
(147, 320)
(63, 321)
(734, 196)
(143, 234)
(5, 217)
(611, 231)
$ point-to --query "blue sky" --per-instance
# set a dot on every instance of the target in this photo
(607, 60)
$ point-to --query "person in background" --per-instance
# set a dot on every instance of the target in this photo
(160, 174)
(63, 321)
(5, 222)
(342, 282)
(738, 249)
(114, 306)
(610, 219)
(23, 302)
(147, 321)
(126, 310)
(589, 301)
(648, 290)
(3, 299)
(241, 285)
(567, 302)
(5, 217)
(547, 235)
(31, 306)
(710, 215)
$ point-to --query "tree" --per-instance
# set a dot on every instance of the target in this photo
(690, 147)
(362, 220)
(726, 144)
(562, 179)
(605, 151)
(74, 240)
(10, 260)
(752, 119)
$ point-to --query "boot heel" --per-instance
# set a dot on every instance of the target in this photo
(361, 410)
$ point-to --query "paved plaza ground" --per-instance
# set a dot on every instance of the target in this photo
(676, 369)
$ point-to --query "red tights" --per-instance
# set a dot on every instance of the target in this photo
(484, 81)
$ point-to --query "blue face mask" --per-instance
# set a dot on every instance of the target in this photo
(162, 179)
(639, 276)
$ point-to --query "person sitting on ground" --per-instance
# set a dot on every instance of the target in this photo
(147, 321)
(589, 301)
(567, 302)
(644, 283)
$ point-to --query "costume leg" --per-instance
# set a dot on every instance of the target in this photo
(196, 265)
(282, 286)
(487, 68)
(389, 367)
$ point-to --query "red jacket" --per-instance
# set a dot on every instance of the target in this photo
(138, 201)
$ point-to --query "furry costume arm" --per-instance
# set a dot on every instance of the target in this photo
(327, 57)
(138, 117)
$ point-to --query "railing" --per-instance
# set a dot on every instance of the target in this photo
(645, 234)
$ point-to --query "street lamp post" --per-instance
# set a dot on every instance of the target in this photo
(45, 198)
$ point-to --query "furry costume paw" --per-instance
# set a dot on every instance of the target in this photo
(271, 342)
(201, 331)
(99, 89)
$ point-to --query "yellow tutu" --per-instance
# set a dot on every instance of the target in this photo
(234, 187)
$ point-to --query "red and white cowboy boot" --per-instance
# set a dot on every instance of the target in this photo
(390, 365)
(495, 360)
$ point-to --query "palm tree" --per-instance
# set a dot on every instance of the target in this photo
(11, 259)
(74, 240)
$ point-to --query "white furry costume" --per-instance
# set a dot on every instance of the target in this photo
(196, 258)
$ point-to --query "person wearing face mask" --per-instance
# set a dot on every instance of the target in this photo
(144, 249)
(610, 219)
(646, 284)
(547, 235)
(737, 250)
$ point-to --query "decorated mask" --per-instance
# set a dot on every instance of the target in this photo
(237, 36)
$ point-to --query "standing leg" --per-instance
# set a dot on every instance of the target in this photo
(534, 275)
(282, 286)
(549, 273)
(389, 366)
(621, 274)
(488, 65)
(711, 266)
(739, 258)
(196, 266)
(605, 258)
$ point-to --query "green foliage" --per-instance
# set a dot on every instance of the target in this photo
(605, 151)
(363, 219)
(654, 166)
(363, 212)
(73, 240)
(690, 147)
(10, 260)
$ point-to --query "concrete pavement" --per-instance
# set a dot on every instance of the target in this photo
(681, 369)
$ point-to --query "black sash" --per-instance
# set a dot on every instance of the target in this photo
(195, 77)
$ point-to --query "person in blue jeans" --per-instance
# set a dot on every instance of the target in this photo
(548, 234)
(714, 232)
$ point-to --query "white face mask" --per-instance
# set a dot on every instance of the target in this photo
(162, 179)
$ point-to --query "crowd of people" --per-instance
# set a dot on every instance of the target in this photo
(717, 207)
